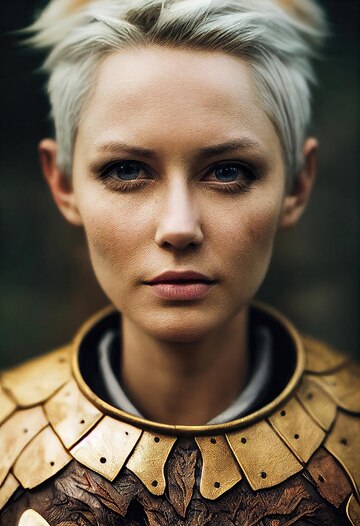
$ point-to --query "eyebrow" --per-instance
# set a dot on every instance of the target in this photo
(116, 146)
(244, 143)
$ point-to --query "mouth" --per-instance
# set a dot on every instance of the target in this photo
(181, 286)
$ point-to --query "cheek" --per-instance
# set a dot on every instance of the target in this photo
(113, 229)
(247, 246)
(262, 225)
(248, 228)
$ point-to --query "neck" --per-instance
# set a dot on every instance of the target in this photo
(186, 383)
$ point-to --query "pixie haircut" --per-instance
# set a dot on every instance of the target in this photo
(277, 38)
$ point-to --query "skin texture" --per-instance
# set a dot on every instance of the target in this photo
(172, 104)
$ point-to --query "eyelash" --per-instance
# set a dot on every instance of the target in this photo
(239, 186)
(117, 185)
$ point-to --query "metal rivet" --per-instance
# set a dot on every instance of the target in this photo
(217, 485)
(243, 440)
(213, 440)
(283, 413)
(156, 439)
(154, 483)
(103, 460)
(263, 475)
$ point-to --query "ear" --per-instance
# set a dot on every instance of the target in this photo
(59, 183)
(298, 197)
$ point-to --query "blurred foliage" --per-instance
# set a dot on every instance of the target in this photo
(47, 284)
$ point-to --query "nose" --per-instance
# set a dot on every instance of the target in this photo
(178, 222)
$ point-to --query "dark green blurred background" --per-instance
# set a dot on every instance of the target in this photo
(47, 287)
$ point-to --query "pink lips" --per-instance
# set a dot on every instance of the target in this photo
(181, 286)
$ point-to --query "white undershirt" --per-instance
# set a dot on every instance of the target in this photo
(248, 400)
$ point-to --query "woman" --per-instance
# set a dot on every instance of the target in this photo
(181, 149)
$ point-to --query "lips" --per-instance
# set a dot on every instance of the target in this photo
(181, 286)
(187, 276)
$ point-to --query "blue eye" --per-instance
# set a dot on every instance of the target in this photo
(231, 176)
(125, 170)
(228, 173)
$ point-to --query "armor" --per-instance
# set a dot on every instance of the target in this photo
(70, 458)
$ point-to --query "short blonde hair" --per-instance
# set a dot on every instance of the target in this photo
(278, 38)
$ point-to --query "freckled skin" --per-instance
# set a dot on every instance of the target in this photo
(175, 102)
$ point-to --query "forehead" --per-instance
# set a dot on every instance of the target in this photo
(167, 92)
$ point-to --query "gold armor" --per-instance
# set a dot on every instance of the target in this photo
(69, 458)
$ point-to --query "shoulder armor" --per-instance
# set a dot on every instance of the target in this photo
(35, 381)
(320, 357)
(24, 424)
(330, 392)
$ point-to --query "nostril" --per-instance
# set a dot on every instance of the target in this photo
(179, 240)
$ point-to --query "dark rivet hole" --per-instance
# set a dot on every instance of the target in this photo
(344, 442)
(283, 413)
(217, 485)
(309, 396)
(156, 439)
(25, 430)
(243, 440)
(103, 460)
(213, 440)
(263, 475)
(154, 483)
(82, 421)
(61, 360)
(126, 433)
(296, 436)
(321, 478)
(52, 463)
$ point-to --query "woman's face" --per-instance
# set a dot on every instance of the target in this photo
(178, 168)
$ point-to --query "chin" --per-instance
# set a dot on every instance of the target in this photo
(182, 328)
(182, 335)
(179, 335)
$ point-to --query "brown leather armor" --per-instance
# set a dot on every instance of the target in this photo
(69, 458)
